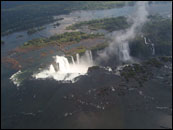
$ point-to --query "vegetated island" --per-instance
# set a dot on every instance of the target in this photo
(56, 25)
(34, 30)
(156, 26)
(109, 24)
(61, 40)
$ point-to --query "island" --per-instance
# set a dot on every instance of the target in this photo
(56, 25)
(34, 30)
(109, 24)
(61, 41)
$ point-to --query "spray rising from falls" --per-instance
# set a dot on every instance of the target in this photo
(120, 39)
(63, 70)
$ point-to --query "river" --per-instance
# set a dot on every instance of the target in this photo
(11, 41)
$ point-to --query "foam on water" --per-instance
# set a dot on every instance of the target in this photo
(14, 78)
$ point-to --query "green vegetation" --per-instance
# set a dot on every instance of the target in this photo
(35, 42)
(166, 58)
(159, 31)
(68, 37)
(139, 49)
(109, 24)
(34, 30)
(138, 68)
(72, 37)
(99, 47)
(154, 62)
(142, 72)
(132, 71)
(137, 72)
(17, 16)
(78, 50)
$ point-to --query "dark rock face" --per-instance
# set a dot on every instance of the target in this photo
(96, 100)
(93, 69)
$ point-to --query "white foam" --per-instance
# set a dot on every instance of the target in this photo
(67, 71)
(15, 78)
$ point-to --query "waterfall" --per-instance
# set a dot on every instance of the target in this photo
(72, 60)
(150, 44)
(63, 63)
(88, 56)
(153, 49)
(145, 39)
(62, 70)
(77, 58)
(91, 57)
(51, 68)
(124, 52)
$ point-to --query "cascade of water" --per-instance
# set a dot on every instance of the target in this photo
(145, 39)
(152, 45)
(91, 57)
(77, 58)
(124, 52)
(63, 63)
(72, 60)
(153, 49)
(87, 56)
(51, 68)
(62, 69)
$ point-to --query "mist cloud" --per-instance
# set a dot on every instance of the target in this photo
(120, 39)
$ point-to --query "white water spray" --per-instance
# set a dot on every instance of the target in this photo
(77, 58)
(145, 40)
(63, 70)
(119, 45)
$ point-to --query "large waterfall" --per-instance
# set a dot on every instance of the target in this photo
(63, 69)
(124, 52)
